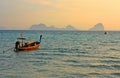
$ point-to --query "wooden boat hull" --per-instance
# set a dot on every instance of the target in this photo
(29, 48)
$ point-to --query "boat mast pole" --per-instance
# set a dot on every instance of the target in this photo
(22, 39)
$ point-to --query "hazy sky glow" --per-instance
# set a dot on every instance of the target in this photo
(82, 14)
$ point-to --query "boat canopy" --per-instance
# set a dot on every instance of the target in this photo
(25, 40)
(30, 41)
(22, 38)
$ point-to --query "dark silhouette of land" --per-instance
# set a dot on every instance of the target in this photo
(97, 27)
(42, 26)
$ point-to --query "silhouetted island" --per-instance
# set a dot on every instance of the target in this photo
(97, 27)
(42, 26)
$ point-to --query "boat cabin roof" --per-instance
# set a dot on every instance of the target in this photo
(22, 38)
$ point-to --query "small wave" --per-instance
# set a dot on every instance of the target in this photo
(60, 54)
(42, 54)
(73, 61)
(42, 70)
(76, 75)
(100, 66)
(42, 63)
(73, 65)
(116, 74)
(47, 49)
(116, 66)
(12, 76)
(99, 75)
(62, 50)
(88, 56)
(95, 74)
(44, 58)
(93, 66)
(110, 61)
(112, 57)
(68, 50)
(114, 49)
(114, 41)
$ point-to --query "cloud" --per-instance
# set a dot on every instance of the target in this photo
(39, 2)
(49, 3)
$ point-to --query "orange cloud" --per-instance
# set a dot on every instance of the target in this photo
(41, 2)
(55, 4)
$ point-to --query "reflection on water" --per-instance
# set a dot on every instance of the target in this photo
(66, 54)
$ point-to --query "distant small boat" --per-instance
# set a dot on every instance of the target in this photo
(22, 44)
(105, 33)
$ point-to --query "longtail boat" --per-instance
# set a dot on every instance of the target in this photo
(22, 44)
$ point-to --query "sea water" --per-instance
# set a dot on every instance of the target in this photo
(62, 54)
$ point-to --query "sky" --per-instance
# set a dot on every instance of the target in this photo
(82, 14)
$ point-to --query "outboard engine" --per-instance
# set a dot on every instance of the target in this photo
(17, 45)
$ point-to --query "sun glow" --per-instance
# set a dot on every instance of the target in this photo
(82, 14)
